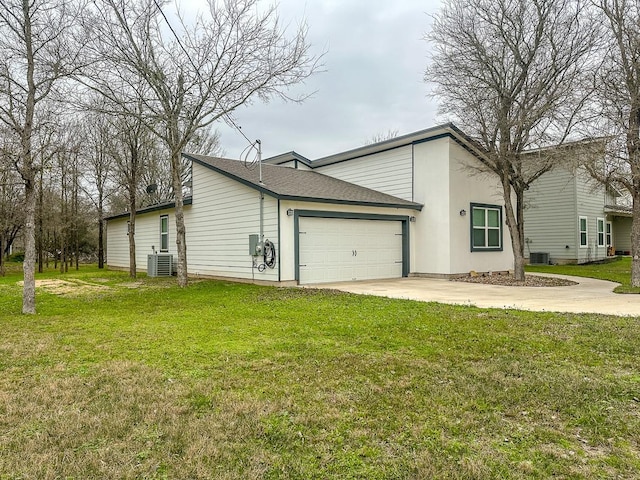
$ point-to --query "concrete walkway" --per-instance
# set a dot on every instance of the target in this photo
(589, 296)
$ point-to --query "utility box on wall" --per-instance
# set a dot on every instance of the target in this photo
(255, 245)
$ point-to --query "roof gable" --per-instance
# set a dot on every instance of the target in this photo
(306, 185)
(447, 130)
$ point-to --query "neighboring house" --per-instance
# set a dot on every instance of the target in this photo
(570, 219)
(405, 206)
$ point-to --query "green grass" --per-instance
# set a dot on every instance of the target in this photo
(120, 379)
(617, 270)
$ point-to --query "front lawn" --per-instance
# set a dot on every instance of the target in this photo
(617, 270)
(121, 379)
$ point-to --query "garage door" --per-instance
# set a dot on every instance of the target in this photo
(338, 249)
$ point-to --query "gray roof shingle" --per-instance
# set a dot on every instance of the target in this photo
(293, 184)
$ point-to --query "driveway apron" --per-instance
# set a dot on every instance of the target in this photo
(588, 296)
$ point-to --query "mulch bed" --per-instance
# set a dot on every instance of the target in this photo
(509, 281)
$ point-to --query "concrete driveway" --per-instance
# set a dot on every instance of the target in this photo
(588, 296)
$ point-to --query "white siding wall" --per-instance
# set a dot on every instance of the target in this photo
(388, 172)
(223, 215)
(467, 186)
(218, 223)
(550, 221)
(147, 236)
(117, 243)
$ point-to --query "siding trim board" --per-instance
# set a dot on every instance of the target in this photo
(353, 216)
(279, 253)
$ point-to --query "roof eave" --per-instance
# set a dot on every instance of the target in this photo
(152, 208)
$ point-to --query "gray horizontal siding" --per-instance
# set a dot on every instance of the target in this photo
(549, 216)
(590, 203)
(622, 233)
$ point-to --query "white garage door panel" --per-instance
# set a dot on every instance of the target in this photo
(338, 249)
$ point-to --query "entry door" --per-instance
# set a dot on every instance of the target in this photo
(338, 249)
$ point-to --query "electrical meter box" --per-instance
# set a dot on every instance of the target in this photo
(255, 245)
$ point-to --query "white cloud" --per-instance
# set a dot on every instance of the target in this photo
(373, 81)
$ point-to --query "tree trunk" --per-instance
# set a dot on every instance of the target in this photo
(29, 265)
(635, 242)
(181, 243)
(28, 174)
(132, 242)
(516, 228)
(100, 230)
(2, 273)
(100, 239)
(40, 241)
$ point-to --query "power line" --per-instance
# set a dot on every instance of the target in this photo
(226, 115)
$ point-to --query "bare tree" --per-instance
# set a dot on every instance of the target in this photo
(509, 73)
(618, 82)
(11, 200)
(234, 53)
(98, 176)
(381, 137)
(130, 153)
(34, 56)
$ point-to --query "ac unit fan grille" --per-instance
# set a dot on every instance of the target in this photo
(539, 258)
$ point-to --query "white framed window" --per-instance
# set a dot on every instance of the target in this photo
(164, 233)
(600, 228)
(609, 235)
(486, 227)
(583, 228)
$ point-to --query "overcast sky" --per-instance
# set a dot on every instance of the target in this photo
(372, 83)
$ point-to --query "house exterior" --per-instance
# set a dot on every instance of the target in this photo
(406, 206)
(574, 220)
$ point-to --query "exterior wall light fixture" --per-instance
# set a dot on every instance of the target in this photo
(463, 212)
(290, 212)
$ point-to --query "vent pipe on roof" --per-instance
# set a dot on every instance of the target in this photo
(259, 143)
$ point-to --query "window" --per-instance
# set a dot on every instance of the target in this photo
(609, 235)
(486, 227)
(164, 233)
(584, 239)
(600, 224)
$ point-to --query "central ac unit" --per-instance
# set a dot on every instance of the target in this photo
(159, 265)
(539, 258)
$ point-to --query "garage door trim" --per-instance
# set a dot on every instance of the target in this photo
(404, 219)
